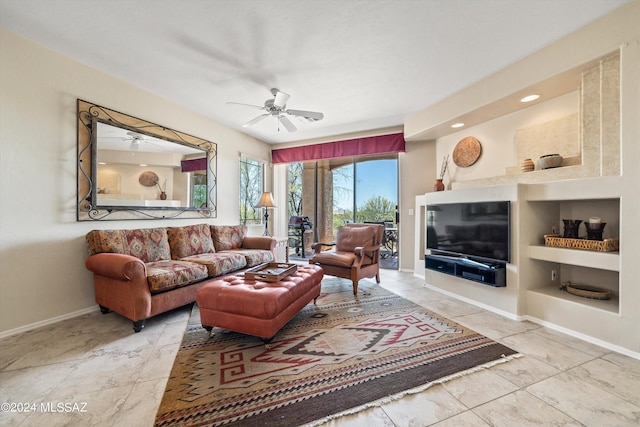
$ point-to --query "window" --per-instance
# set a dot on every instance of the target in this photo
(199, 189)
(251, 188)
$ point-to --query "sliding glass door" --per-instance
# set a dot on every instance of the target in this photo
(338, 191)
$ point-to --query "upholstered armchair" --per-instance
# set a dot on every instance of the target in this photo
(356, 254)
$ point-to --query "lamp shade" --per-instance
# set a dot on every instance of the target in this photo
(266, 201)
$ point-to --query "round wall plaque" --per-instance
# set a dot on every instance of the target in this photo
(148, 179)
(467, 152)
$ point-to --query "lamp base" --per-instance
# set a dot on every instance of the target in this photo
(266, 223)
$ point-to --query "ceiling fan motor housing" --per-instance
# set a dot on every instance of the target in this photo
(272, 109)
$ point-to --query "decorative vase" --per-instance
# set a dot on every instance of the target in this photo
(571, 228)
(163, 195)
(549, 161)
(438, 185)
(594, 230)
(527, 165)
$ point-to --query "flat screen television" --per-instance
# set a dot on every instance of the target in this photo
(475, 230)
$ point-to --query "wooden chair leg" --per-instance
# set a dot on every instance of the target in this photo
(355, 287)
(378, 277)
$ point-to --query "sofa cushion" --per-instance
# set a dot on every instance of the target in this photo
(253, 256)
(219, 263)
(147, 244)
(338, 259)
(190, 240)
(166, 275)
(227, 237)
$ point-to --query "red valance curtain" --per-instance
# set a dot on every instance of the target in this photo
(194, 165)
(382, 144)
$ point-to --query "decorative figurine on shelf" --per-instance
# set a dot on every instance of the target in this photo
(439, 184)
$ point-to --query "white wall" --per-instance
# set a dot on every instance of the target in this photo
(42, 247)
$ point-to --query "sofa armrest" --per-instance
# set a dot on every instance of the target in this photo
(259, 242)
(117, 266)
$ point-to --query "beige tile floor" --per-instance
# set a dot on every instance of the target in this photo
(109, 376)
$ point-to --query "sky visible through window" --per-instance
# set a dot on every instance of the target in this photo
(374, 178)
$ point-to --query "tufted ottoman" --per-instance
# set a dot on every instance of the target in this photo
(254, 307)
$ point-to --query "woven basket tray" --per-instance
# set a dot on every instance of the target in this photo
(585, 291)
(606, 245)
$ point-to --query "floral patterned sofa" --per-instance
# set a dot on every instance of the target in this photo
(143, 272)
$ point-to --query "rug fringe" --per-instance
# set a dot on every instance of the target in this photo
(415, 390)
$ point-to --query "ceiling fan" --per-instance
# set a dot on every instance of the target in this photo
(276, 107)
(135, 139)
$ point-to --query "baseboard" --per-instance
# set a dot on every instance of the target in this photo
(583, 337)
(477, 304)
(47, 322)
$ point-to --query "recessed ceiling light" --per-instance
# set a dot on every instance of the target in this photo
(143, 164)
(102, 163)
(457, 125)
(530, 98)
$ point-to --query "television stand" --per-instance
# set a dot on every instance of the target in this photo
(487, 273)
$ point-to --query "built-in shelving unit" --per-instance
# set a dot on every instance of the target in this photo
(546, 205)
(560, 298)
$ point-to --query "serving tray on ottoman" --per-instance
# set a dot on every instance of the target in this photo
(270, 271)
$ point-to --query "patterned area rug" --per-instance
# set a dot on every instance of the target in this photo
(338, 356)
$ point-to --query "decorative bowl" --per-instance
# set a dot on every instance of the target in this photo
(549, 161)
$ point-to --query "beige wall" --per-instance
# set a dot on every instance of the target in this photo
(42, 248)
(418, 170)
(498, 139)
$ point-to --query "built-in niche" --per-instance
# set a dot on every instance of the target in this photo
(129, 168)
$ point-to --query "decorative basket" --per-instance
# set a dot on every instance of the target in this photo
(606, 245)
(585, 291)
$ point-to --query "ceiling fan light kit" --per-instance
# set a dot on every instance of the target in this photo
(276, 107)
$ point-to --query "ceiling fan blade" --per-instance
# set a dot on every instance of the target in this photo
(246, 105)
(313, 115)
(281, 99)
(287, 123)
(256, 120)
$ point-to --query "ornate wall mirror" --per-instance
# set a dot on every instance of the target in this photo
(129, 168)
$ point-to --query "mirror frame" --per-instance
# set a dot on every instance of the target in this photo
(87, 209)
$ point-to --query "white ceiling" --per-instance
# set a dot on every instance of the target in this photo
(366, 64)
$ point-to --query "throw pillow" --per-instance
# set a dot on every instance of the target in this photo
(190, 240)
(227, 237)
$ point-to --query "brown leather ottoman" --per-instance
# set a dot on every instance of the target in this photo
(254, 307)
